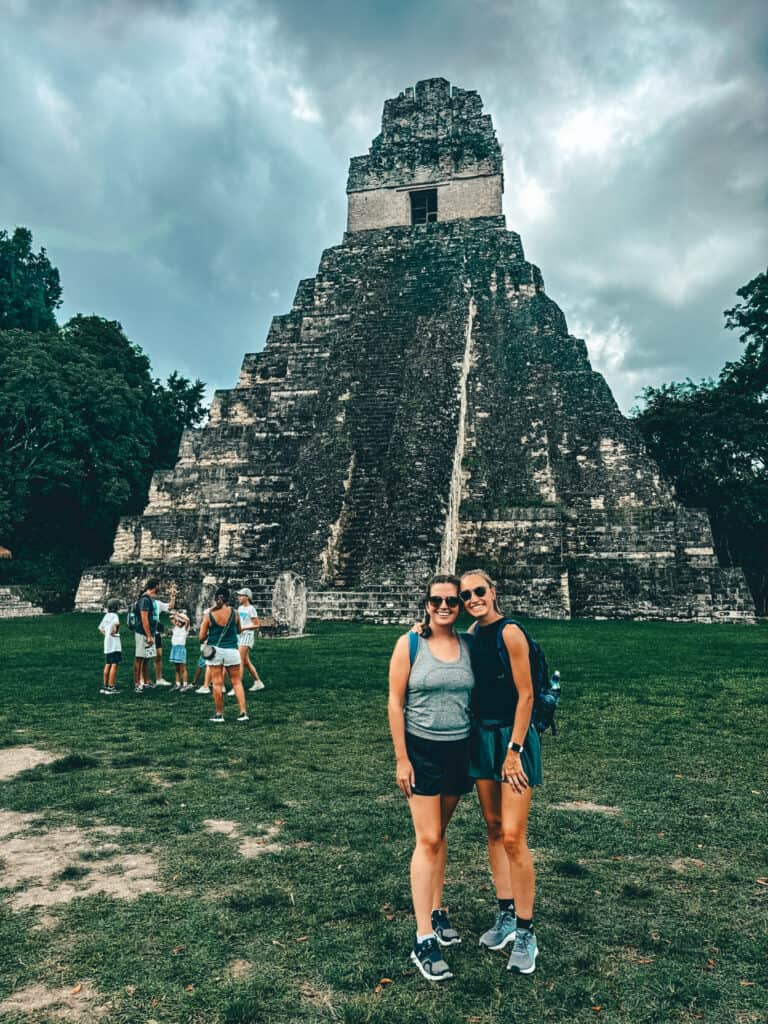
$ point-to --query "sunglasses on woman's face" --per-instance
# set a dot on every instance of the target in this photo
(436, 602)
(477, 591)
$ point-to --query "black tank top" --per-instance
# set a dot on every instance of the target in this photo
(494, 694)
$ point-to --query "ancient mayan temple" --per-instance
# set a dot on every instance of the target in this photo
(423, 405)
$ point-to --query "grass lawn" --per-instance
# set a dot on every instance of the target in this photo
(294, 904)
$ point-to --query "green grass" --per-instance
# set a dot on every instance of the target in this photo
(666, 722)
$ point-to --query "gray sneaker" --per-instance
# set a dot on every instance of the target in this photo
(502, 931)
(524, 952)
(428, 958)
(444, 930)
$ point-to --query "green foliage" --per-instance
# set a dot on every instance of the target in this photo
(29, 286)
(176, 405)
(711, 439)
(82, 427)
(662, 722)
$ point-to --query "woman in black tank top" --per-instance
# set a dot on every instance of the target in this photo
(505, 763)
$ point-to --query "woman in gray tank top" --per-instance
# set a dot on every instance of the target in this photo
(430, 681)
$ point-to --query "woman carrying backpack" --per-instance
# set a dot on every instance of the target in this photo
(430, 680)
(505, 761)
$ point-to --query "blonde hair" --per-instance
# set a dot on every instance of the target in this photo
(488, 580)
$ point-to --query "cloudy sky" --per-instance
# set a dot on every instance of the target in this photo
(184, 162)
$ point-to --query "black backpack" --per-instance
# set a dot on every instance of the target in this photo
(545, 696)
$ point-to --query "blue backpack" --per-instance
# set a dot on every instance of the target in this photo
(545, 696)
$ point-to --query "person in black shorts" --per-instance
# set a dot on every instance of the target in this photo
(429, 697)
(505, 762)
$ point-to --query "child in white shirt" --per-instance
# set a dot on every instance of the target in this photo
(181, 624)
(109, 627)
(249, 621)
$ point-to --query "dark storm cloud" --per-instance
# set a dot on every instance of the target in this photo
(185, 163)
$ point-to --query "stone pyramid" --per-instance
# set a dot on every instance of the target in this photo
(423, 405)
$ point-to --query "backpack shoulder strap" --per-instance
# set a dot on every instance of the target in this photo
(502, 647)
(413, 646)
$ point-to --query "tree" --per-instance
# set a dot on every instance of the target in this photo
(176, 405)
(30, 289)
(711, 439)
(81, 425)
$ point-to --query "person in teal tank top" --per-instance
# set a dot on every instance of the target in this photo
(429, 699)
(220, 628)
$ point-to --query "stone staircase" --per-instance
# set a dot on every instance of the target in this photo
(14, 606)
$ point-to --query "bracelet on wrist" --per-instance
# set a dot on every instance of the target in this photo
(516, 748)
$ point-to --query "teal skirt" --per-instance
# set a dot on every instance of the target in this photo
(488, 748)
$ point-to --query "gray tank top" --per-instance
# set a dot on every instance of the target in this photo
(437, 698)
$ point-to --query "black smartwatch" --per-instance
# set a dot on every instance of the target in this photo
(516, 748)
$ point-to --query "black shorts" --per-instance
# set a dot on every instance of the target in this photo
(440, 767)
(113, 658)
(158, 641)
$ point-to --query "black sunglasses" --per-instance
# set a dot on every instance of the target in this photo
(477, 591)
(435, 601)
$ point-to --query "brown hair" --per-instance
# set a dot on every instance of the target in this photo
(441, 577)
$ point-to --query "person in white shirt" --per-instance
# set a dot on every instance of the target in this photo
(109, 627)
(180, 625)
(249, 623)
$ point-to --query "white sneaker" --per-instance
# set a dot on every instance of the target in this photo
(163, 682)
(203, 689)
(243, 718)
(217, 719)
(231, 691)
(257, 685)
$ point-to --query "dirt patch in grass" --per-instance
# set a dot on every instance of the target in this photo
(219, 826)
(250, 846)
(586, 805)
(79, 1003)
(255, 846)
(47, 868)
(320, 996)
(686, 863)
(20, 759)
(239, 969)
(159, 781)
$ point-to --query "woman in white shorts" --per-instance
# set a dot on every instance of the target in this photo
(220, 628)
(249, 623)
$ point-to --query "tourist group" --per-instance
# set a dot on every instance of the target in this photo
(226, 635)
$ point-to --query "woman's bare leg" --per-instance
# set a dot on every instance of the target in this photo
(217, 678)
(448, 805)
(426, 859)
(489, 794)
(514, 823)
(235, 677)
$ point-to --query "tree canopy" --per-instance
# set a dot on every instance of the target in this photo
(711, 439)
(30, 289)
(83, 424)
